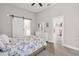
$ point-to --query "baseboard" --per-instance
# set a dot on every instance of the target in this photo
(71, 47)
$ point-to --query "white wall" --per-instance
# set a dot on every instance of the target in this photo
(5, 21)
(71, 21)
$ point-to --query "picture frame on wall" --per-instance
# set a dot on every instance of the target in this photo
(38, 25)
(47, 25)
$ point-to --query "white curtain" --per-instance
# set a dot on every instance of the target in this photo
(18, 29)
(21, 27)
(27, 27)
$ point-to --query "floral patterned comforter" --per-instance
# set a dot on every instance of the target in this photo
(24, 48)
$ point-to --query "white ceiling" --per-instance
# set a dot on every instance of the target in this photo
(36, 8)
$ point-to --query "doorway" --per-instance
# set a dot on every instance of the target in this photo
(58, 28)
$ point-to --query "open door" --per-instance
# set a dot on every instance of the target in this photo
(58, 29)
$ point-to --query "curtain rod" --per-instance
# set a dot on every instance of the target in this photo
(20, 17)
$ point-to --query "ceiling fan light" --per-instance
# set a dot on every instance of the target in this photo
(33, 4)
(40, 4)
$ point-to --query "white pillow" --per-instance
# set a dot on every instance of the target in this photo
(4, 38)
(2, 44)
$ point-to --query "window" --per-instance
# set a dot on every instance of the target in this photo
(27, 27)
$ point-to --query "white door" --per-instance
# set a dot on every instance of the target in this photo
(58, 29)
(18, 27)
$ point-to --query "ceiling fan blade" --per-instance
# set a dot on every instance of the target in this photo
(40, 4)
(33, 4)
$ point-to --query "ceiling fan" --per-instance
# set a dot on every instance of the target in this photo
(40, 4)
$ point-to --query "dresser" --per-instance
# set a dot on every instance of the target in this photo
(43, 35)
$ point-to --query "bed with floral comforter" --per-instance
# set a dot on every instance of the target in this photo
(22, 47)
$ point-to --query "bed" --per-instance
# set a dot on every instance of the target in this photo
(23, 46)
